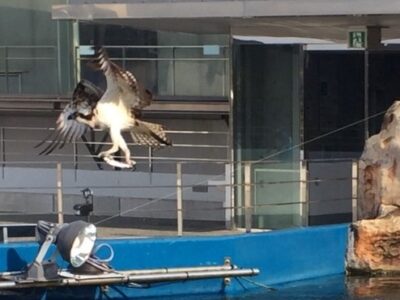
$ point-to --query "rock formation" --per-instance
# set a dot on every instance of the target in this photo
(375, 239)
(379, 169)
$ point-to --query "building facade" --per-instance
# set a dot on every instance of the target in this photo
(272, 94)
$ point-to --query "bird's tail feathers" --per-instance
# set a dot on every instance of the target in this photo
(151, 134)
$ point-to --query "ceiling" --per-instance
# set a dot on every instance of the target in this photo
(313, 19)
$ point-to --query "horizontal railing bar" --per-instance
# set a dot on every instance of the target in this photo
(30, 58)
(129, 144)
(169, 186)
(28, 46)
(142, 209)
(156, 46)
(162, 59)
(140, 158)
(196, 132)
(100, 130)
(154, 158)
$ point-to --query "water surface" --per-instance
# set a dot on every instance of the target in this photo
(337, 287)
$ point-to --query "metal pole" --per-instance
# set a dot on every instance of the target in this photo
(77, 57)
(123, 58)
(366, 94)
(173, 71)
(179, 214)
(247, 196)
(3, 151)
(150, 159)
(58, 58)
(76, 156)
(6, 67)
(60, 216)
(354, 189)
(303, 193)
(126, 278)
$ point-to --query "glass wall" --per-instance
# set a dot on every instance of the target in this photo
(384, 88)
(172, 65)
(333, 99)
(267, 131)
(35, 51)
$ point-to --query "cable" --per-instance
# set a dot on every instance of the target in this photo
(257, 284)
(258, 161)
(104, 260)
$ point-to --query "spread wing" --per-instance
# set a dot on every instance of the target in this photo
(118, 79)
(68, 129)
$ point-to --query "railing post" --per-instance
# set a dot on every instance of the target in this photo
(179, 213)
(3, 151)
(60, 216)
(123, 58)
(58, 59)
(150, 159)
(304, 209)
(247, 196)
(173, 72)
(354, 189)
(6, 67)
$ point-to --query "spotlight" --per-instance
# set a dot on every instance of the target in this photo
(74, 242)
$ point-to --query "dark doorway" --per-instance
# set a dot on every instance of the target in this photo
(334, 130)
(333, 99)
(384, 84)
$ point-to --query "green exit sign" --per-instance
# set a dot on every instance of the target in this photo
(357, 39)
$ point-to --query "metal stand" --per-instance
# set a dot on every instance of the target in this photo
(43, 271)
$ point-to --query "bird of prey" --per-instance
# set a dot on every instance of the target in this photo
(116, 110)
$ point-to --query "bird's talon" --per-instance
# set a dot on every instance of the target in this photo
(132, 164)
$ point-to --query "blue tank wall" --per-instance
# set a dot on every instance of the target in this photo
(281, 256)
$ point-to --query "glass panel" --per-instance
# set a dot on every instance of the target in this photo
(267, 130)
(31, 49)
(333, 99)
(276, 195)
(384, 86)
(171, 65)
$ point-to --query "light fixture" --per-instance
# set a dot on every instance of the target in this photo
(74, 242)
(84, 209)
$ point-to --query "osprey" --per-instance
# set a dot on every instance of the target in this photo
(116, 110)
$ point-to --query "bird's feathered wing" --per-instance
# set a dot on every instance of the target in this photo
(130, 90)
(135, 97)
(92, 106)
(68, 129)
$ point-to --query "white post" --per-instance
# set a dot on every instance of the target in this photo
(304, 210)
(179, 214)
(247, 197)
(59, 207)
(354, 188)
(228, 198)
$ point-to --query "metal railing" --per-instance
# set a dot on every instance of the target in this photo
(17, 61)
(164, 69)
(175, 196)
(161, 64)
(19, 142)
